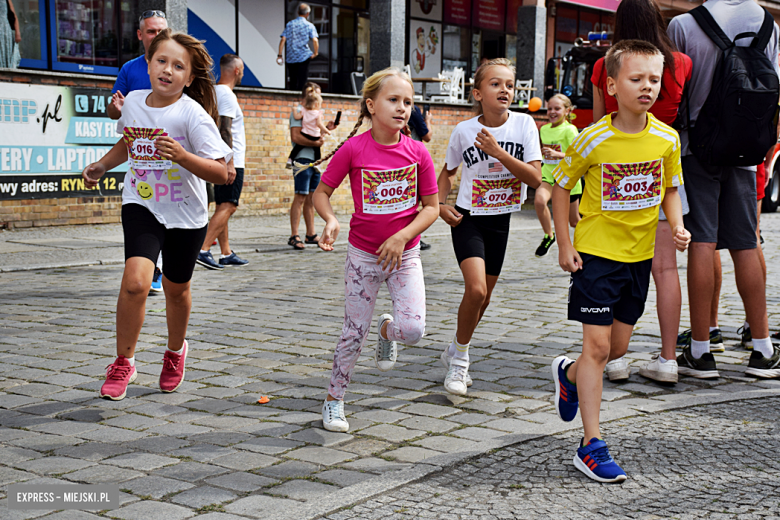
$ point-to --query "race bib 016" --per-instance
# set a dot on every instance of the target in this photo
(141, 151)
(626, 187)
(496, 191)
(389, 191)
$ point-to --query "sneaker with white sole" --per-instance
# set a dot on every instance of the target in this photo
(386, 351)
(745, 337)
(702, 368)
(617, 369)
(333, 418)
(661, 372)
(455, 382)
(595, 461)
(445, 360)
(764, 367)
(119, 374)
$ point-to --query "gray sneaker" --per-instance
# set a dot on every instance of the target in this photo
(702, 368)
(764, 367)
(386, 351)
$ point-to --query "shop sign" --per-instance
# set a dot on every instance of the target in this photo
(48, 135)
(490, 14)
(457, 12)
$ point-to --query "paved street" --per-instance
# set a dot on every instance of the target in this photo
(210, 450)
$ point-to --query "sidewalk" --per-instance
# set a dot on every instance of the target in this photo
(269, 328)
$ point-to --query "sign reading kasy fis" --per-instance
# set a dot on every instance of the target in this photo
(48, 134)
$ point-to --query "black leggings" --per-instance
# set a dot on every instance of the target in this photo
(145, 237)
(482, 236)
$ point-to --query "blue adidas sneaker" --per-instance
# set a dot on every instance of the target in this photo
(595, 461)
(566, 400)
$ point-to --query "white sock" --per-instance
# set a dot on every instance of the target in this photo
(132, 361)
(764, 346)
(225, 256)
(713, 328)
(460, 351)
(176, 351)
(699, 348)
(746, 324)
(202, 251)
(661, 359)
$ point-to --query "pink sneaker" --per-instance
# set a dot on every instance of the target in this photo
(172, 375)
(119, 374)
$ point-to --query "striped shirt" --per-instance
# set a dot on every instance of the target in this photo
(626, 177)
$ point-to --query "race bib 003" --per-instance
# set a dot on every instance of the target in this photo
(626, 187)
(141, 152)
(496, 191)
(389, 191)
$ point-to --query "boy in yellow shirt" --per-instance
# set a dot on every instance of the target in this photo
(630, 162)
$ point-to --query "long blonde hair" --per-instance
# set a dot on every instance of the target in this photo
(370, 90)
(567, 105)
(202, 87)
(479, 77)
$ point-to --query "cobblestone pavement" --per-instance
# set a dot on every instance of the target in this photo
(715, 462)
(269, 329)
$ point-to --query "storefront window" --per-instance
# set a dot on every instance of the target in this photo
(86, 34)
(131, 46)
(29, 13)
(455, 47)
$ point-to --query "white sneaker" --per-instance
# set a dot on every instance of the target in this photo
(445, 360)
(662, 372)
(386, 351)
(455, 382)
(617, 369)
(333, 418)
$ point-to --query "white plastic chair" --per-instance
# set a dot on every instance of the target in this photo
(408, 71)
(524, 90)
(453, 90)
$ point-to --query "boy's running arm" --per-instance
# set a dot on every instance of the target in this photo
(530, 173)
(115, 156)
(321, 199)
(568, 257)
(448, 213)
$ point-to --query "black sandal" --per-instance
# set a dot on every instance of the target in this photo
(313, 239)
(295, 242)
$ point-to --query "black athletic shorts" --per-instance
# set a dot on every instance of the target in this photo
(482, 236)
(230, 192)
(605, 290)
(146, 237)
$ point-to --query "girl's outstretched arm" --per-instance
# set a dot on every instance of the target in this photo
(321, 199)
(530, 173)
(115, 156)
(391, 251)
(210, 170)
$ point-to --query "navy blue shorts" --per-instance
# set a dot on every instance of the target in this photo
(230, 192)
(605, 290)
(307, 180)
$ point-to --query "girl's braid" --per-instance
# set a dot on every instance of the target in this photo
(298, 167)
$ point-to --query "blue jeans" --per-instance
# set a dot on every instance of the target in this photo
(307, 180)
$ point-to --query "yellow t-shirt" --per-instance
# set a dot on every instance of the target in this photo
(626, 176)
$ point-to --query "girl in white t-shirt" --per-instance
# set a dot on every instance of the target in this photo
(501, 155)
(173, 147)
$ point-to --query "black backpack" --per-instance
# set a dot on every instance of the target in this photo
(738, 123)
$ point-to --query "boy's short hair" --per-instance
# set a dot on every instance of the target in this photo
(615, 55)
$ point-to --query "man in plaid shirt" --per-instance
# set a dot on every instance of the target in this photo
(297, 34)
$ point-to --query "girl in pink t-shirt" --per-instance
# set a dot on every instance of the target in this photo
(389, 175)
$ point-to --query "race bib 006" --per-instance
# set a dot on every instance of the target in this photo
(389, 191)
(496, 191)
(626, 187)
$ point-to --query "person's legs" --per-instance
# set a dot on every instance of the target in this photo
(224, 241)
(178, 304)
(295, 212)
(407, 291)
(717, 276)
(218, 227)
(668, 293)
(362, 281)
(701, 287)
(574, 212)
(752, 289)
(131, 304)
(541, 199)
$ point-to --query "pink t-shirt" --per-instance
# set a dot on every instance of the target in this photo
(309, 121)
(387, 183)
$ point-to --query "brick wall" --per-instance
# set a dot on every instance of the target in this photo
(268, 185)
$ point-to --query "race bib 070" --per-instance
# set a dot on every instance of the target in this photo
(496, 191)
(630, 186)
(389, 191)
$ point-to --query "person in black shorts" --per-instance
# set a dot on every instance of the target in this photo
(501, 155)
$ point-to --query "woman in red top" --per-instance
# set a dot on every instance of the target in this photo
(642, 20)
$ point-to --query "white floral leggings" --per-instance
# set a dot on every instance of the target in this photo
(362, 280)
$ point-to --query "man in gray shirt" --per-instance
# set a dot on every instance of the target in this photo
(722, 199)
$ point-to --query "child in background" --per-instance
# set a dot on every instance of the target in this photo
(313, 125)
(389, 175)
(501, 156)
(612, 254)
(556, 137)
(174, 147)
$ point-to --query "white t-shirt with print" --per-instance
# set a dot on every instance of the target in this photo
(486, 186)
(176, 197)
(227, 104)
